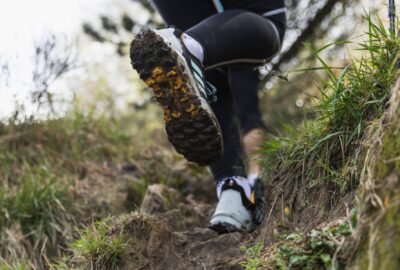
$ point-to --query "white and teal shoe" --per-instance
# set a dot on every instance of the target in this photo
(237, 209)
(177, 79)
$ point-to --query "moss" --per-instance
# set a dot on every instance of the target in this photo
(384, 252)
(389, 161)
(380, 246)
(387, 248)
(361, 260)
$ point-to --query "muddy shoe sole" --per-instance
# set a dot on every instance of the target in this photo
(191, 126)
(223, 228)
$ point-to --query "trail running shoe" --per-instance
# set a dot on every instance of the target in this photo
(238, 208)
(177, 80)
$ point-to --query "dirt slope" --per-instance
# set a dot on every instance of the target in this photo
(170, 232)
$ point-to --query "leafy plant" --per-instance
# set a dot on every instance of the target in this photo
(319, 249)
(253, 254)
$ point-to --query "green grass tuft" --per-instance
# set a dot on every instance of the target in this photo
(99, 248)
(40, 203)
(253, 254)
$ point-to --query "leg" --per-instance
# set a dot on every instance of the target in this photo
(236, 36)
(231, 163)
(168, 65)
(183, 13)
(191, 125)
(245, 103)
(244, 85)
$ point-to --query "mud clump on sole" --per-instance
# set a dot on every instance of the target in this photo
(191, 128)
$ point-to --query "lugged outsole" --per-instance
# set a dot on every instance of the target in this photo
(223, 228)
(191, 128)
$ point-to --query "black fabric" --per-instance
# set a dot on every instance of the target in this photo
(261, 7)
(236, 36)
(244, 83)
(184, 13)
(239, 32)
(231, 162)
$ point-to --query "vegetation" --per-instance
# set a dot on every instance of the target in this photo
(59, 176)
(15, 266)
(327, 247)
(253, 254)
(347, 104)
(40, 163)
(335, 149)
(99, 249)
(43, 164)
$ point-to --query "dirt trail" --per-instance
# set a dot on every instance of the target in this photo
(170, 232)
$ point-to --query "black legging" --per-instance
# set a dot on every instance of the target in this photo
(239, 35)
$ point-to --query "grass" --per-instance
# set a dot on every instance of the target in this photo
(253, 254)
(45, 165)
(328, 152)
(322, 248)
(13, 266)
(40, 164)
(348, 102)
(39, 205)
(99, 249)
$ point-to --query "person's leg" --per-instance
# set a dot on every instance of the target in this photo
(183, 13)
(166, 61)
(240, 34)
(231, 163)
(245, 84)
(187, 15)
(236, 36)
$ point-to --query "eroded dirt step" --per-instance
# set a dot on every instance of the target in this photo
(170, 232)
(153, 245)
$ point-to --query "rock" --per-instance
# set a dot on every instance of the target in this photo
(159, 199)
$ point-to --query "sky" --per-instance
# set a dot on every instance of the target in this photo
(21, 23)
(24, 22)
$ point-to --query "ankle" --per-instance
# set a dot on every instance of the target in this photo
(226, 183)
